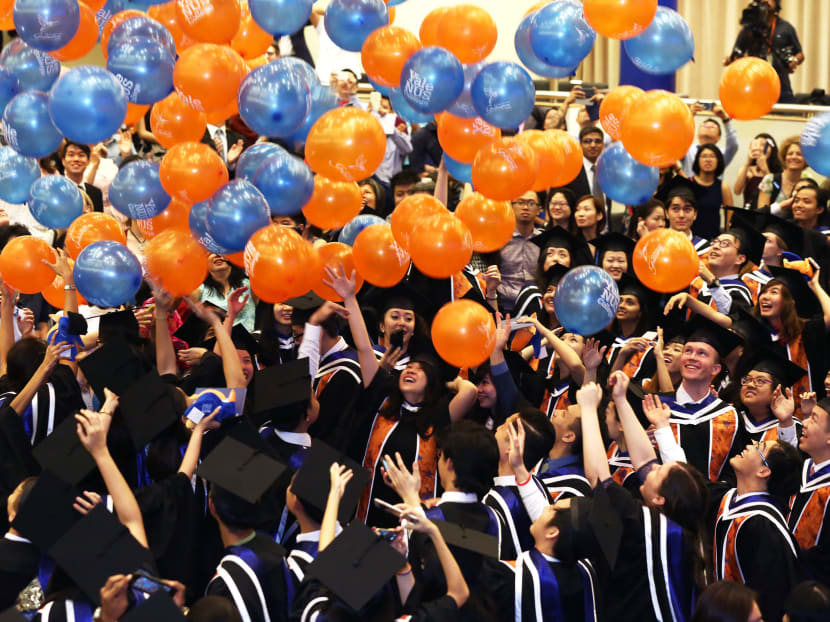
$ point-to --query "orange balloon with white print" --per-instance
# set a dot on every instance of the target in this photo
(54, 292)
(548, 156)
(468, 31)
(377, 256)
(619, 19)
(345, 144)
(192, 172)
(250, 40)
(505, 169)
(334, 255)
(166, 14)
(174, 216)
(571, 152)
(412, 210)
(665, 261)
(491, 223)
(462, 138)
(177, 260)
(385, 52)
(614, 107)
(207, 76)
(333, 203)
(22, 267)
(441, 245)
(172, 122)
(92, 227)
(464, 333)
(280, 264)
(211, 21)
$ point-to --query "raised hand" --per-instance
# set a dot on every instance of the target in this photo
(203, 313)
(656, 411)
(61, 266)
(92, 429)
(782, 405)
(516, 447)
(808, 403)
(237, 301)
(343, 286)
(326, 310)
(86, 501)
(407, 484)
(618, 382)
(390, 358)
(503, 329)
(678, 301)
(592, 353)
(589, 395)
(340, 476)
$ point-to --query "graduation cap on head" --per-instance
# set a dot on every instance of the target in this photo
(97, 547)
(118, 325)
(468, 539)
(193, 331)
(312, 481)
(62, 453)
(47, 513)
(791, 234)
(356, 565)
(148, 408)
(242, 340)
(280, 389)
(114, 366)
(159, 607)
(677, 186)
(306, 302)
(240, 469)
(723, 340)
(806, 303)
(76, 323)
(416, 292)
(558, 237)
(751, 240)
(674, 326)
(614, 242)
(768, 360)
(749, 327)
(554, 274)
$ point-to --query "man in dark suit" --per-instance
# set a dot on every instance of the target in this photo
(229, 140)
(592, 141)
(75, 159)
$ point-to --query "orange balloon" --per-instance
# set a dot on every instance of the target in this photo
(462, 138)
(166, 15)
(21, 264)
(665, 260)
(250, 40)
(428, 33)
(467, 31)
(54, 292)
(619, 19)
(207, 76)
(135, 112)
(464, 333)
(392, 13)
(548, 155)
(335, 254)
(211, 21)
(7, 19)
(259, 61)
(505, 169)
(536, 7)
(116, 20)
(441, 245)
(659, 130)
(85, 37)
(172, 122)
(174, 216)
(385, 52)
(92, 227)
(177, 261)
(413, 209)
(749, 88)
(345, 144)
(237, 259)
(220, 115)
(192, 172)
(491, 223)
(614, 106)
(280, 264)
(333, 203)
(95, 5)
(571, 151)
(377, 256)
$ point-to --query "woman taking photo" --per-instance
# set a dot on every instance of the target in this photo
(776, 189)
(711, 192)
(761, 160)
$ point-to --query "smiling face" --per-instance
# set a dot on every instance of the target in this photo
(771, 301)
(399, 319)
(247, 362)
(794, 160)
(629, 309)
(413, 382)
(486, 392)
(725, 253)
(699, 362)
(554, 255)
(586, 214)
(682, 214)
(806, 208)
(369, 198)
(219, 267)
(815, 433)
(756, 389)
(75, 161)
(559, 210)
(672, 355)
(282, 314)
(577, 342)
(615, 263)
(547, 299)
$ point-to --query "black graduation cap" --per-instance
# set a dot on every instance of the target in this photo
(704, 330)
(193, 331)
(559, 237)
(312, 481)
(12, 615)
(771, 361)
(752, 241)
(614, 242)
(749, 327)
(598, 516)
(416, 292)
(356, 565)
(468, 539)
(121, 325)
(806, 303)
(148, 408)
(158, 607)
(97, 547)
(306, 302)
(47, 513)
(676, 186)
(77, 323)
(240, 469)
(62, 453)
(674, 326)
(554, 274)
(242, 340)
(114, 366)
(791, 234)
(279, 388)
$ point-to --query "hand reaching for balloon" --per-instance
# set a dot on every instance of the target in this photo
(782, 406)
(502, 332)
(656, 411)
(25, 322)
(237, 301)
(61, 266)
(678, 301)
(344, 286)
(592, 354)
(589, 395)
(203, 313)
(340, 476)
(92, 428)
(618, 382)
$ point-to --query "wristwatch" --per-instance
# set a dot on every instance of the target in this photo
(713, 284)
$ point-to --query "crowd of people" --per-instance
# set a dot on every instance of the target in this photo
(215, 457)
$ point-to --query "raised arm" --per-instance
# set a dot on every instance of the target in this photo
(24, 397)
(664, 383)
(62, 269)
(568, 355)
(6, 324)
(593, 451)
(165, 352)
(234, 377)
(592, 357)
(190, 460)
(684, 300)
(340, 476)
(464, 398)
(636, 439)
(823, 298)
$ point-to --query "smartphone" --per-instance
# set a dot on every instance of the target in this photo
(388, 534)
(396, 339)
(391, 509)
(143, 581)
(707, 105)
(593, 111)
(374, 99)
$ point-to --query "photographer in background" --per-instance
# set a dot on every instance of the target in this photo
(765, 35)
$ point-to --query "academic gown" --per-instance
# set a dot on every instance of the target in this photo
(622, 471)
(753, 431)
(737, 289)
(282, 524)
(505, 500)
(807, 514)
(336, 386)
(564, 478)
(315, 599)
(19, 560)
(304, 551)
(548, 590)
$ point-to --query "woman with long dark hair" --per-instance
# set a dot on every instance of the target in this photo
(761, 160)
(224, 279)
(632, 349)
(711, 192)
(727, 601)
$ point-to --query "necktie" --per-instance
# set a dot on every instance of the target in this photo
(595, 189)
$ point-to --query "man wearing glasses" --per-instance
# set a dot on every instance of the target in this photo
(518, 258)
(592, 141)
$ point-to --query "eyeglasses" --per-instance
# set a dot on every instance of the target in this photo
(592, 141)
(525, 203)
(755, 381)
(722, 243)
(757, 447)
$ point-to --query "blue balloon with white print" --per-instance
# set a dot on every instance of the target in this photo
(586, 300)
(136, 190)
(560, 35)
(252, 157)
(34, 70)
(47, 25)
(107, 274)
(665, 46)
(27, 126)
(503, 94)
(17, 174)
(286, 182)
(431, 80)
(624, 179)
(55, 201)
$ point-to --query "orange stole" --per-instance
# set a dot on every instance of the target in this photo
(551, 403)
(722, 430)
(798, 355)
(731, 570)
(694, 292)
(808, 526)
(622, 471)
(322, 384)
(427, 460)
(754, 288)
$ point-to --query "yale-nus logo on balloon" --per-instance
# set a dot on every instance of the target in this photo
(143, 210)
(609, 300)
(418, 88)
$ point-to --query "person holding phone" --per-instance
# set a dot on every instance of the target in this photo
(761, 160)
(710, 132)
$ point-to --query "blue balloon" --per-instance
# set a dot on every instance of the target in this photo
(463, 106)
(105, 13)
(521, 41)
(349, 233)
(349, 22)
(624, 179)
(55, 201)
(9, 87)
(665, 46)
(395, 2)
(459, 170)
(286, 182)
(586, 300)
(503, 94)
(107, 274)
(34, 70)
(27, 125)
(322, 100)
(47, 24)
(236, 212)
(815, 143)
(274, 100)
(383, 90)
(300, 67)
(141, 27)
(252, 157)
(136, 190)
(144, 68)
(17, 174)
(197, 220)
(280, 17)
(87, 104)
(406, 112)
(432, 79)
(559, 34)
